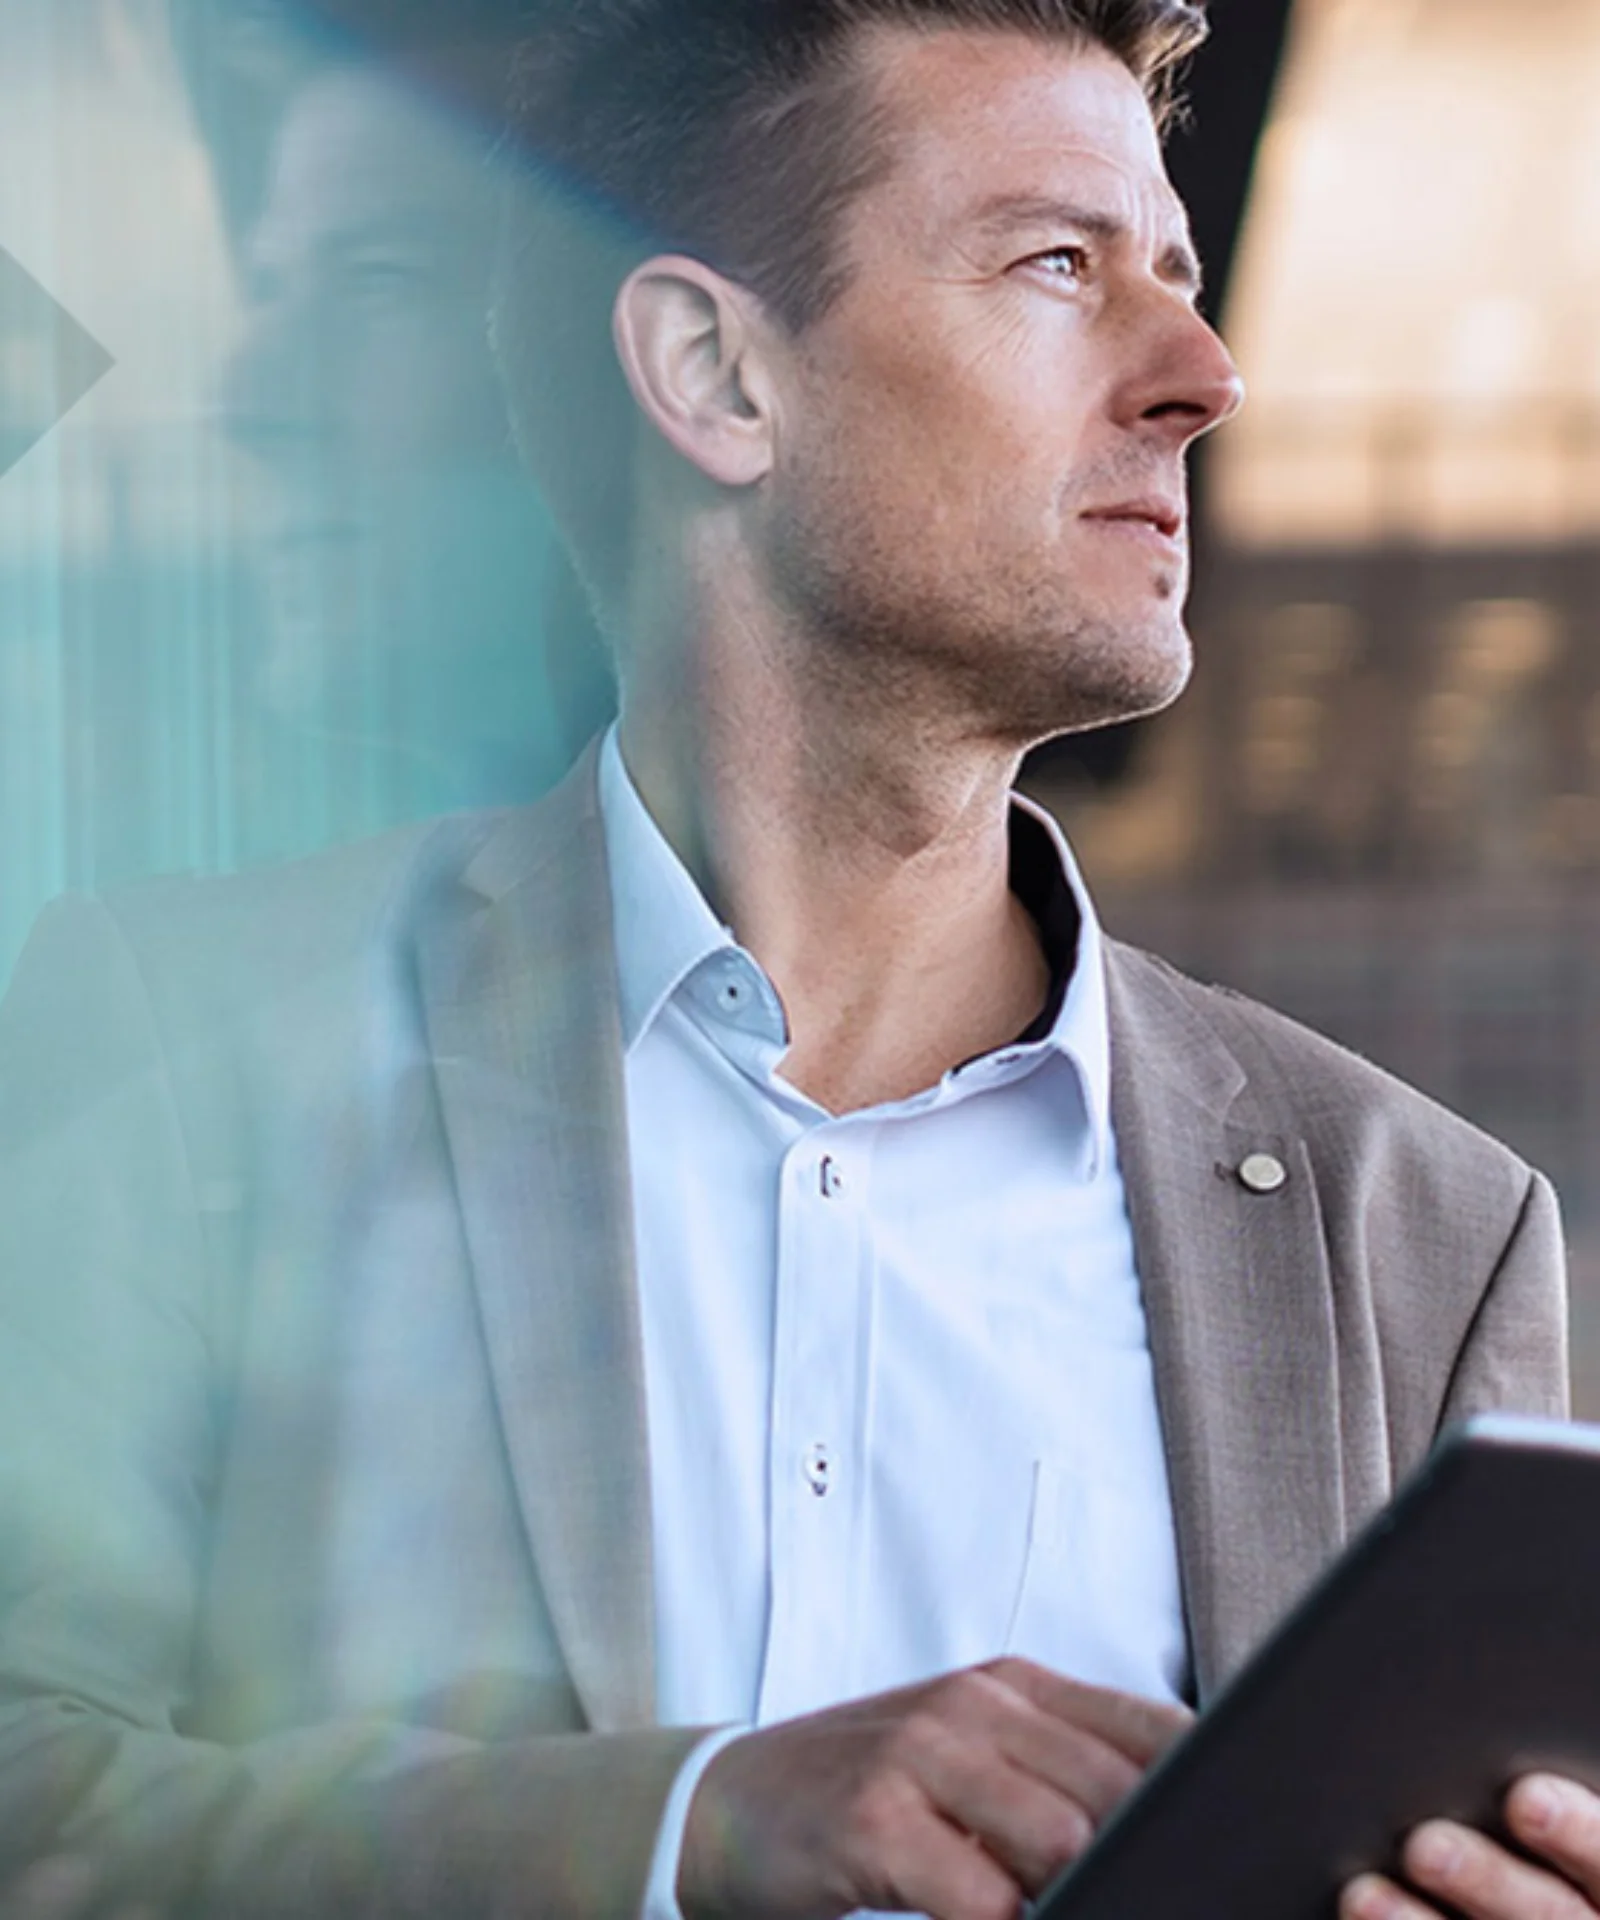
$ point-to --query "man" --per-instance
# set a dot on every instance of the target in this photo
(734, 1240)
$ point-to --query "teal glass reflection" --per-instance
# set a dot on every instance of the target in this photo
(277, 581)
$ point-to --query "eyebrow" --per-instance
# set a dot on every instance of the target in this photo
(1178, 262)
(390, 227)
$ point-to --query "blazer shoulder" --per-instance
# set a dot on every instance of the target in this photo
(291, 917)
(282, 926)
(295, 966)
(1335, 1096)
(189, 958)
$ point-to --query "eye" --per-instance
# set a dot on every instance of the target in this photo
(1068, 263)
(374, 275)
(385, 279)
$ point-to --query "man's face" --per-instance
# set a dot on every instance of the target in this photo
(364, 389)
(981, 444)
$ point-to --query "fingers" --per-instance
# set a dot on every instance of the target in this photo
(981, 1763)
(1372, 1897)
(1059, 1744)
(1033, 1782)
(1069, 1762)
(1560, 1821)
(960, 1798)
(923, 1865)
(1471, 1875)
(1140, 1730)
(1482, 1881)
(1032, 1828)
(1556, 1820)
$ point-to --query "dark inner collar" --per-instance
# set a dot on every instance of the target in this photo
(1038, 881)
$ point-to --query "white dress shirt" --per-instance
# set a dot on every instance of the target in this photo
(901, 1409)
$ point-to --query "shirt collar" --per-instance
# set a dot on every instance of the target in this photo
(663, 927)
(664, 930)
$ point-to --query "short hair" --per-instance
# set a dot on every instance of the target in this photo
(731, 130)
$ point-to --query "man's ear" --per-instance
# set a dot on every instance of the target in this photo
(690, 345)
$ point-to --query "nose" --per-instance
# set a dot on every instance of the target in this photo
(272, 395)
(1187, 383)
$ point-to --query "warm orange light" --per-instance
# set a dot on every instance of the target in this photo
(1417, 310)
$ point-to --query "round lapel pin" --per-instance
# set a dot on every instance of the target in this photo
(1262, 1173)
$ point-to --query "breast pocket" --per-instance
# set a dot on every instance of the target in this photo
(1099, 1597)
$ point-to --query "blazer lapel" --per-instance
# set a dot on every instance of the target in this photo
(518, 982)
(1238, 1300)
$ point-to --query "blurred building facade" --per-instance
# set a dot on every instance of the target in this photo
(1379, 805)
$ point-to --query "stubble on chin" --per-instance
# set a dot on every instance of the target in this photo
(1014, 666)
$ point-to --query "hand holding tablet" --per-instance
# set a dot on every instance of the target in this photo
(1554, 1821)
(1451, 1654)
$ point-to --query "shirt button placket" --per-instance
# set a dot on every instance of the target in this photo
(815, 1396)
(817, 1463)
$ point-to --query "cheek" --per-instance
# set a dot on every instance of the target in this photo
(981, 449)
(953, 451)
(416, 396)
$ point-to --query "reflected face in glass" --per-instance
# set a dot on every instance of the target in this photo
(363, 385)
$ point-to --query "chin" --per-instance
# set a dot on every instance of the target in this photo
(1119, 669)
(1158, 675)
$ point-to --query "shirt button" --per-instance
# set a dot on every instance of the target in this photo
(817, 1466)
(830, 1178)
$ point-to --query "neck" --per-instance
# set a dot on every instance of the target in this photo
(858, 848)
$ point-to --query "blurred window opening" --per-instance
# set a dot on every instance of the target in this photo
(1417, 302)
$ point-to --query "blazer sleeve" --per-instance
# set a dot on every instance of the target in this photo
(112, 1390)
(1515, 1354)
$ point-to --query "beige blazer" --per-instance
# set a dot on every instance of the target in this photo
(325, 1577)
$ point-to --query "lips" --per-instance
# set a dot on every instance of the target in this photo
(1165, 517)
(309, 535)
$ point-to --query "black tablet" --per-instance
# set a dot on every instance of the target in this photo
(1455, 1645)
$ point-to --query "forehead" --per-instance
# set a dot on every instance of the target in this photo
(354, 146)
(973, 116)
